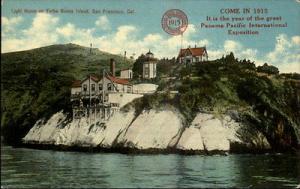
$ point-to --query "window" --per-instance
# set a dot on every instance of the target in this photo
(146, 71)
(109, 86)
(106, 98)
(93, 87)
(84, 87)
(100, 87)
(128, 89)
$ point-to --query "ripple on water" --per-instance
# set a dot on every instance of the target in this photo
(280, 180)
(36, 169)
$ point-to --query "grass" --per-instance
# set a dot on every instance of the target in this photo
(36, 83)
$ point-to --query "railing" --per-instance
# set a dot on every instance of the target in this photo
(100, 105)
(142, 91)
(98, 93)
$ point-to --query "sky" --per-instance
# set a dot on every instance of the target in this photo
(140, 31)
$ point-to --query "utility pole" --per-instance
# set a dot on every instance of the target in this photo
(181, 40)
(124, 56)
(90, 87)
(90, 97)
(103, 76)
(103, 107)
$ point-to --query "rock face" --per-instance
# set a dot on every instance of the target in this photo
(191, 139)
(209, 133)
(79, 132)
(151, 129)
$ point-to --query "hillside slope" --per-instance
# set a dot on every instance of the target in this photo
(36, 83)
(267, 101)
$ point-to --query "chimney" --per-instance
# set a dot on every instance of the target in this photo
(112, 67)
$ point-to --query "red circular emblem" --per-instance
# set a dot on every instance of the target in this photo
(174, 22)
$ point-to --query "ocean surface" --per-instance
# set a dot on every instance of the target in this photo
(30, 168)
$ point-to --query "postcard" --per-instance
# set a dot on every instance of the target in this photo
(150, 93)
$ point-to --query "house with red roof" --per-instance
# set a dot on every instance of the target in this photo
(191, 55)
(100, 96)
(93, 86)
(89, 85)
(114, 84)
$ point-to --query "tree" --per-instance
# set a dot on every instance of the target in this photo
(269, 69)
(138, 66)
(230, 58)
(165, 65)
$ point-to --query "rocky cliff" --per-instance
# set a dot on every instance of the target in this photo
(36, 85)
(151, 130)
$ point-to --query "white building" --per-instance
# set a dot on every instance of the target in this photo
(149, 66)
(126, 74)
(89, 86)
(191, 55)
(112, 84)
(93, 85)
(100, 98)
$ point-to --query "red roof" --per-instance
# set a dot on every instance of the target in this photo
(76, 83)
(117, 80)
(93, 77)
(198, 51)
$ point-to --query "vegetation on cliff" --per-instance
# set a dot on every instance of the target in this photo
(36, 83)
(257, 95)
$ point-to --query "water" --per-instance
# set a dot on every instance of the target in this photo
(21, 167)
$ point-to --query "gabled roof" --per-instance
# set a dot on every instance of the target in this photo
(93, 77)
(76, 83)
(198, 51)
(117, 80)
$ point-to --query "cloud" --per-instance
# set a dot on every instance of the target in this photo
(237, 48)
(103, 23)
(67, 31)
(46, 29)
(42, 23)
(125, 33)
(286, 53)
(231, 46)
(9, 24)
(296, 40)
(40, 33)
